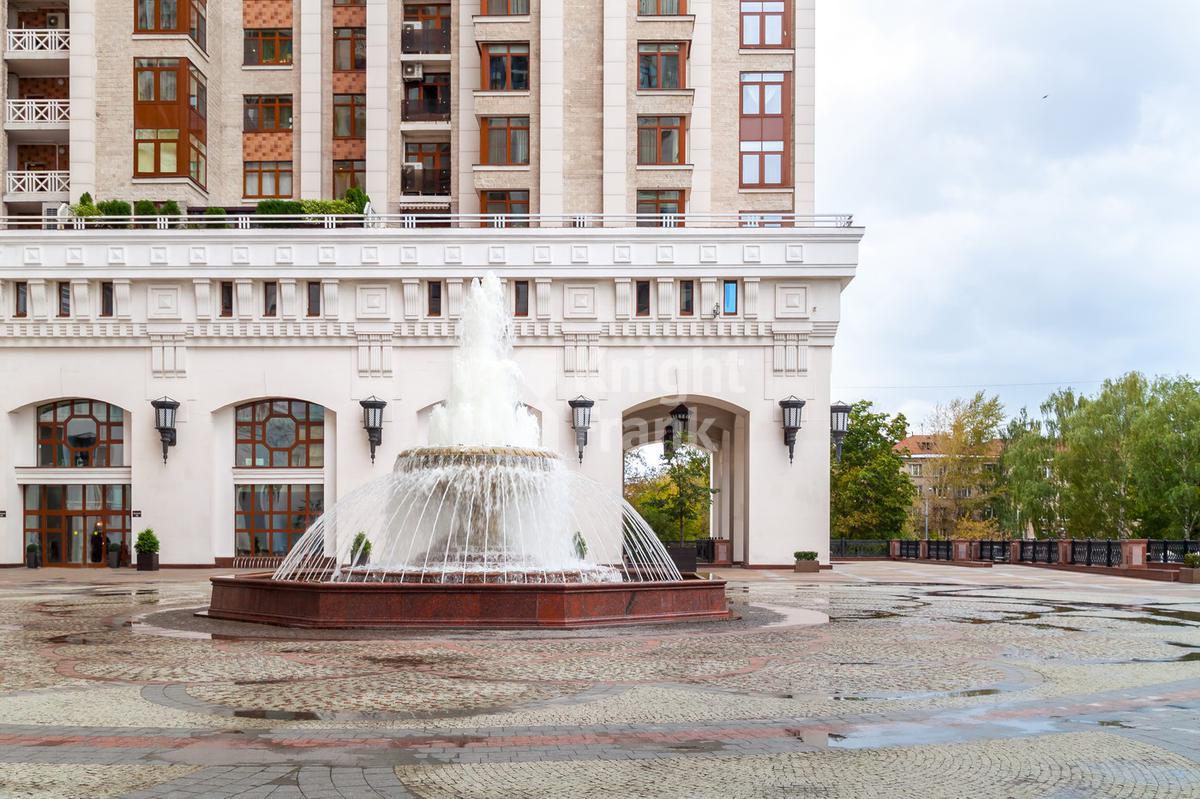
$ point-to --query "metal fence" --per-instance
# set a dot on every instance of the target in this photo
(939, 550)
(858, 548)
(1039, 552)
(995, 551)
(1160, 550)
(1096, 553)
(910, 549)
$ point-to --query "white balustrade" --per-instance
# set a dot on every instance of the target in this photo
(38, 40)
(31, 111)
(56, 182)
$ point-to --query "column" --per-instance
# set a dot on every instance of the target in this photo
(700, 132)
(312, 160)
(553, 130)
(82, 135)
(616, 98)
(378, 120)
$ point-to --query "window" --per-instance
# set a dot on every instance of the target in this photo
(347, 174)
(349, 116)
(657, 208)
(269, 519)
(226, 299)
(106, 298)
(729, 293)
(764, 129)
(197, 92)
(662, 8)
(157, 151)
(21, 300)
(72, 523)
(504, 204)
(765, 24)
(267, 112)
(197, 160)
(314, 298)
(157, 16)
(505, 140)
(349, 49)
(64, 298)
(505, 8)
(521, 298)
(166, 120)
(506, 67)
(433, 298)
(660, 140)
(642, 298)
(279, 434)
(270, 298)
(268, 47)
(79, 433)
(687, 298)
(267, 179)
(660, 65)
(914, 469)
(198, 25)
(156, 80)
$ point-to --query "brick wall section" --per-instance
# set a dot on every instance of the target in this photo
(344, 149)
(37, 19)
(50, 88)
(267, 13)
(352, 16)
(349, 82)
(274, 146)
(53, 156)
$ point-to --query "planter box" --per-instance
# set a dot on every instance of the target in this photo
(147, 561)
(114, 559)
(1187, 575)
(684, 557)
(807, 567)
(33, 560)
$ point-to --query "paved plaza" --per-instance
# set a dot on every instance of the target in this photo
(873, 680)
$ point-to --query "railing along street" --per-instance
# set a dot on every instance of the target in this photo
(939, 550)
(858, 548)
(995, 551)
(1159, 550)
(910, 549)
(1096, 553)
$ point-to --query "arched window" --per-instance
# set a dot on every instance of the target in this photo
(279, 433)
(80, 433)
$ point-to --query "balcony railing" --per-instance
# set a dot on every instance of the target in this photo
(426, 109)
(435, 182)
(31, 111)
(55, 182)
(38, 40)
(425, 40)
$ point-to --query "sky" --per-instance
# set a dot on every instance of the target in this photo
(1015, 242)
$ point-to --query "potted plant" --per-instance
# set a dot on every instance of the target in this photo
(114, 555)
(360, 550)
(146, 547)
(1190, 571)
(806, 561)
(33, 556)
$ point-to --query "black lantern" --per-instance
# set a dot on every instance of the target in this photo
(681, 414)
(373, 421)
(581, 420)
(669, 442)
(792, 408)
(839, 424)
(165, 410)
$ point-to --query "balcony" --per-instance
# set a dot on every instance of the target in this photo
(426, 109)
(42, 182)
(420, 182)
(425, 41)
(54, 42)
(37, 112)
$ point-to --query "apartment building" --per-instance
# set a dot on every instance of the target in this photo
(637, 172)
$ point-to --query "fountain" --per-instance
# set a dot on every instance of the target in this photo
(482, 528)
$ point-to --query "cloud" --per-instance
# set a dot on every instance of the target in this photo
(1011, 240)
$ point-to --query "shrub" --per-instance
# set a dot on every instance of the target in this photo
(323, 207)
(213, 225)
(31, 548)
(86, 199)
(113, 546)
(280, 207)
(114, 208)
(85, 209)
(170, 208)
(360, 550)
(805, 554)
(145, 208)
(357, 198)
(147, 542)
(1192, 560)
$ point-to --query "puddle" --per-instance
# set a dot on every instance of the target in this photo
(917, 696)
(792, 617)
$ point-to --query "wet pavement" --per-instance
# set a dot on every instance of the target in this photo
(875, 679)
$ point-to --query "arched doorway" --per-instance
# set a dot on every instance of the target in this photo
(718, 429)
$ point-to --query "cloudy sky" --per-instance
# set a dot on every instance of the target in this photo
(1014, 243)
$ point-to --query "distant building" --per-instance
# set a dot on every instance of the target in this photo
(944, 494)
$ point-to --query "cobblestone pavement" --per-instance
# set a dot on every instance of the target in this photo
(873, 680)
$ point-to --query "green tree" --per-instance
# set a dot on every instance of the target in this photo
(870, 493)
(1028, 495)
(966, 479)
(1165, 459)
(674, 495)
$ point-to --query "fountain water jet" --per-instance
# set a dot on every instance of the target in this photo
(480, 528)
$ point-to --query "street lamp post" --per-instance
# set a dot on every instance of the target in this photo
(839, 425)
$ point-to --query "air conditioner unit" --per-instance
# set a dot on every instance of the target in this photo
(410, 165)
(412, 26)
(56, 21)
(413, 71)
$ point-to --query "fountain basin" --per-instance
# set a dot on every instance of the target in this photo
(258, 598)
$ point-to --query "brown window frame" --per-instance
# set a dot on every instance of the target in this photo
(431, 154)
(659, 55)
(278, 37)
(508, 11)
(63, 288)
(105, 506)
(487, 125)
(358, 176)
(749, 121)
(434, 293)
(270, 295)
(641, 298)
(298, 504)
(690, 308)
(513, 206)
(53, 438)
(521, 301)
(314, 291)
(654, 218)
(655, 123)
(681, 5)
(178, 119)
(20, 299)
(107, 298)
(357, 105)
(252, 420)
(275, 168)
(356, 38)
(349, 2)
(191, 17)
(505, 52)
(267, 107)
(227, 300)
(744, 17)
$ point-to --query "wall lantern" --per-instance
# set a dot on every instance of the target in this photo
(669, 442)
(164, 419)
(681, 414)
(373, 421)
(792, 408)
(581, 420)
(839, 424)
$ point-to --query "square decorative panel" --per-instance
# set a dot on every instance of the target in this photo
(791, 301)
(197, 255)
(452, 254)
(665, 254)
(284, 255)
(708, 253)
(752, 253)
(74, 255)
(794, 253)
(158, 255)
(327, 254)
(579, 254)
(116, 255)
(541, 253)
(32, 255)
(408, 254)
(370, 254)
(579, 302)
(240, 255)
(622, 254)
(162, 302)
(497, 254)
(372, 302)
